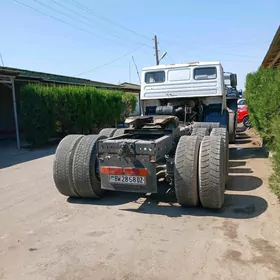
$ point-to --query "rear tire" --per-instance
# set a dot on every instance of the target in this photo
(222, 132)
(108, 132)
(209, 125)
(232, 127)
(119, 131)
(211, 179)
(185, 171)
(85, 179)
(62, 165)
(200, 132)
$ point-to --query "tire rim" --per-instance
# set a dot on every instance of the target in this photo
(247, 123)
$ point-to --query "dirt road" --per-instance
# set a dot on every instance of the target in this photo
(44, 235)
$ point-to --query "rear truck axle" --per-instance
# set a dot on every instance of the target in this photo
(195, 166)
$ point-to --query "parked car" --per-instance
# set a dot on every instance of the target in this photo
(241, 102)
(243, 116)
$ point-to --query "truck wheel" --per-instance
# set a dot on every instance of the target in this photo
(62, 164)
(222, 132)
(209, 125)
(211, 180)
(246, 122)
(232, 127)
(185, 171)
(119, 132)
(108, 132)
(85, 178)
(200, 132)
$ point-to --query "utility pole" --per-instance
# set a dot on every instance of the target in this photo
(2, 59)
(136, 70)
(156, 49)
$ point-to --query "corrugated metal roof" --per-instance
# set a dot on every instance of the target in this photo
(48, 77)
(130, 86)
(272, 58)
(8, 72)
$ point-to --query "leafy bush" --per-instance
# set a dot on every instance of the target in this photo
(263, 95)
(47, 110)
(275, 178)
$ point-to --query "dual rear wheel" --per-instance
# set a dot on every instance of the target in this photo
(75, 167)
(201, 168)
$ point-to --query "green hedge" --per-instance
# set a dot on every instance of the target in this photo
(263, 99)
(47, 110)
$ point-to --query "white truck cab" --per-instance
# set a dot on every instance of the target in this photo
(194, 92)
(195, 79)
(192, 86)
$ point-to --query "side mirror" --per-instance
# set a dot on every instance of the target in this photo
(240, 93)
(233, 80)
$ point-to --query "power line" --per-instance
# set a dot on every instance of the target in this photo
(50, 16)
(108, 63)
(77, 4)
(90, 20)
(66, 8)
(57, 11)
(60, 20)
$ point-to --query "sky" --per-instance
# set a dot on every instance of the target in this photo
(97, 39)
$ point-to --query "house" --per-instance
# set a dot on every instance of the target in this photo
(272, 58)
(11, 81)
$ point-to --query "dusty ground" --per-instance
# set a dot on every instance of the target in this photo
(44, 235)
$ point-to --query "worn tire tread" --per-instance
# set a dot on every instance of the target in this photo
(185, 172)
(84, 177)
(211, 182)
(108, 132)
(200, 132)
(119, 132)
(222, 132)
(62, 165)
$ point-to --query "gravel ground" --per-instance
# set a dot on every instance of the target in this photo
(44, 235)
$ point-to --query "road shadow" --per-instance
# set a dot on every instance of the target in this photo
(109, 199)
(236, 163)
(242, 136)
(10, 156)
(240, 141)
(243, 183)
(247, 153)
(241, 170)
(235, 207)
(241, 128)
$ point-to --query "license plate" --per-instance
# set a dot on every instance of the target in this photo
(130, 180)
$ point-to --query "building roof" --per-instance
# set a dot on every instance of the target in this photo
(130, 86)
(47, 77)
(272, 58)
(8, 72)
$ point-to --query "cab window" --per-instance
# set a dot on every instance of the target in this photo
(155, 77)
(205, 73)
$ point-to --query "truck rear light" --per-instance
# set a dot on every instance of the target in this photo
(135, 171)
(111, 170)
